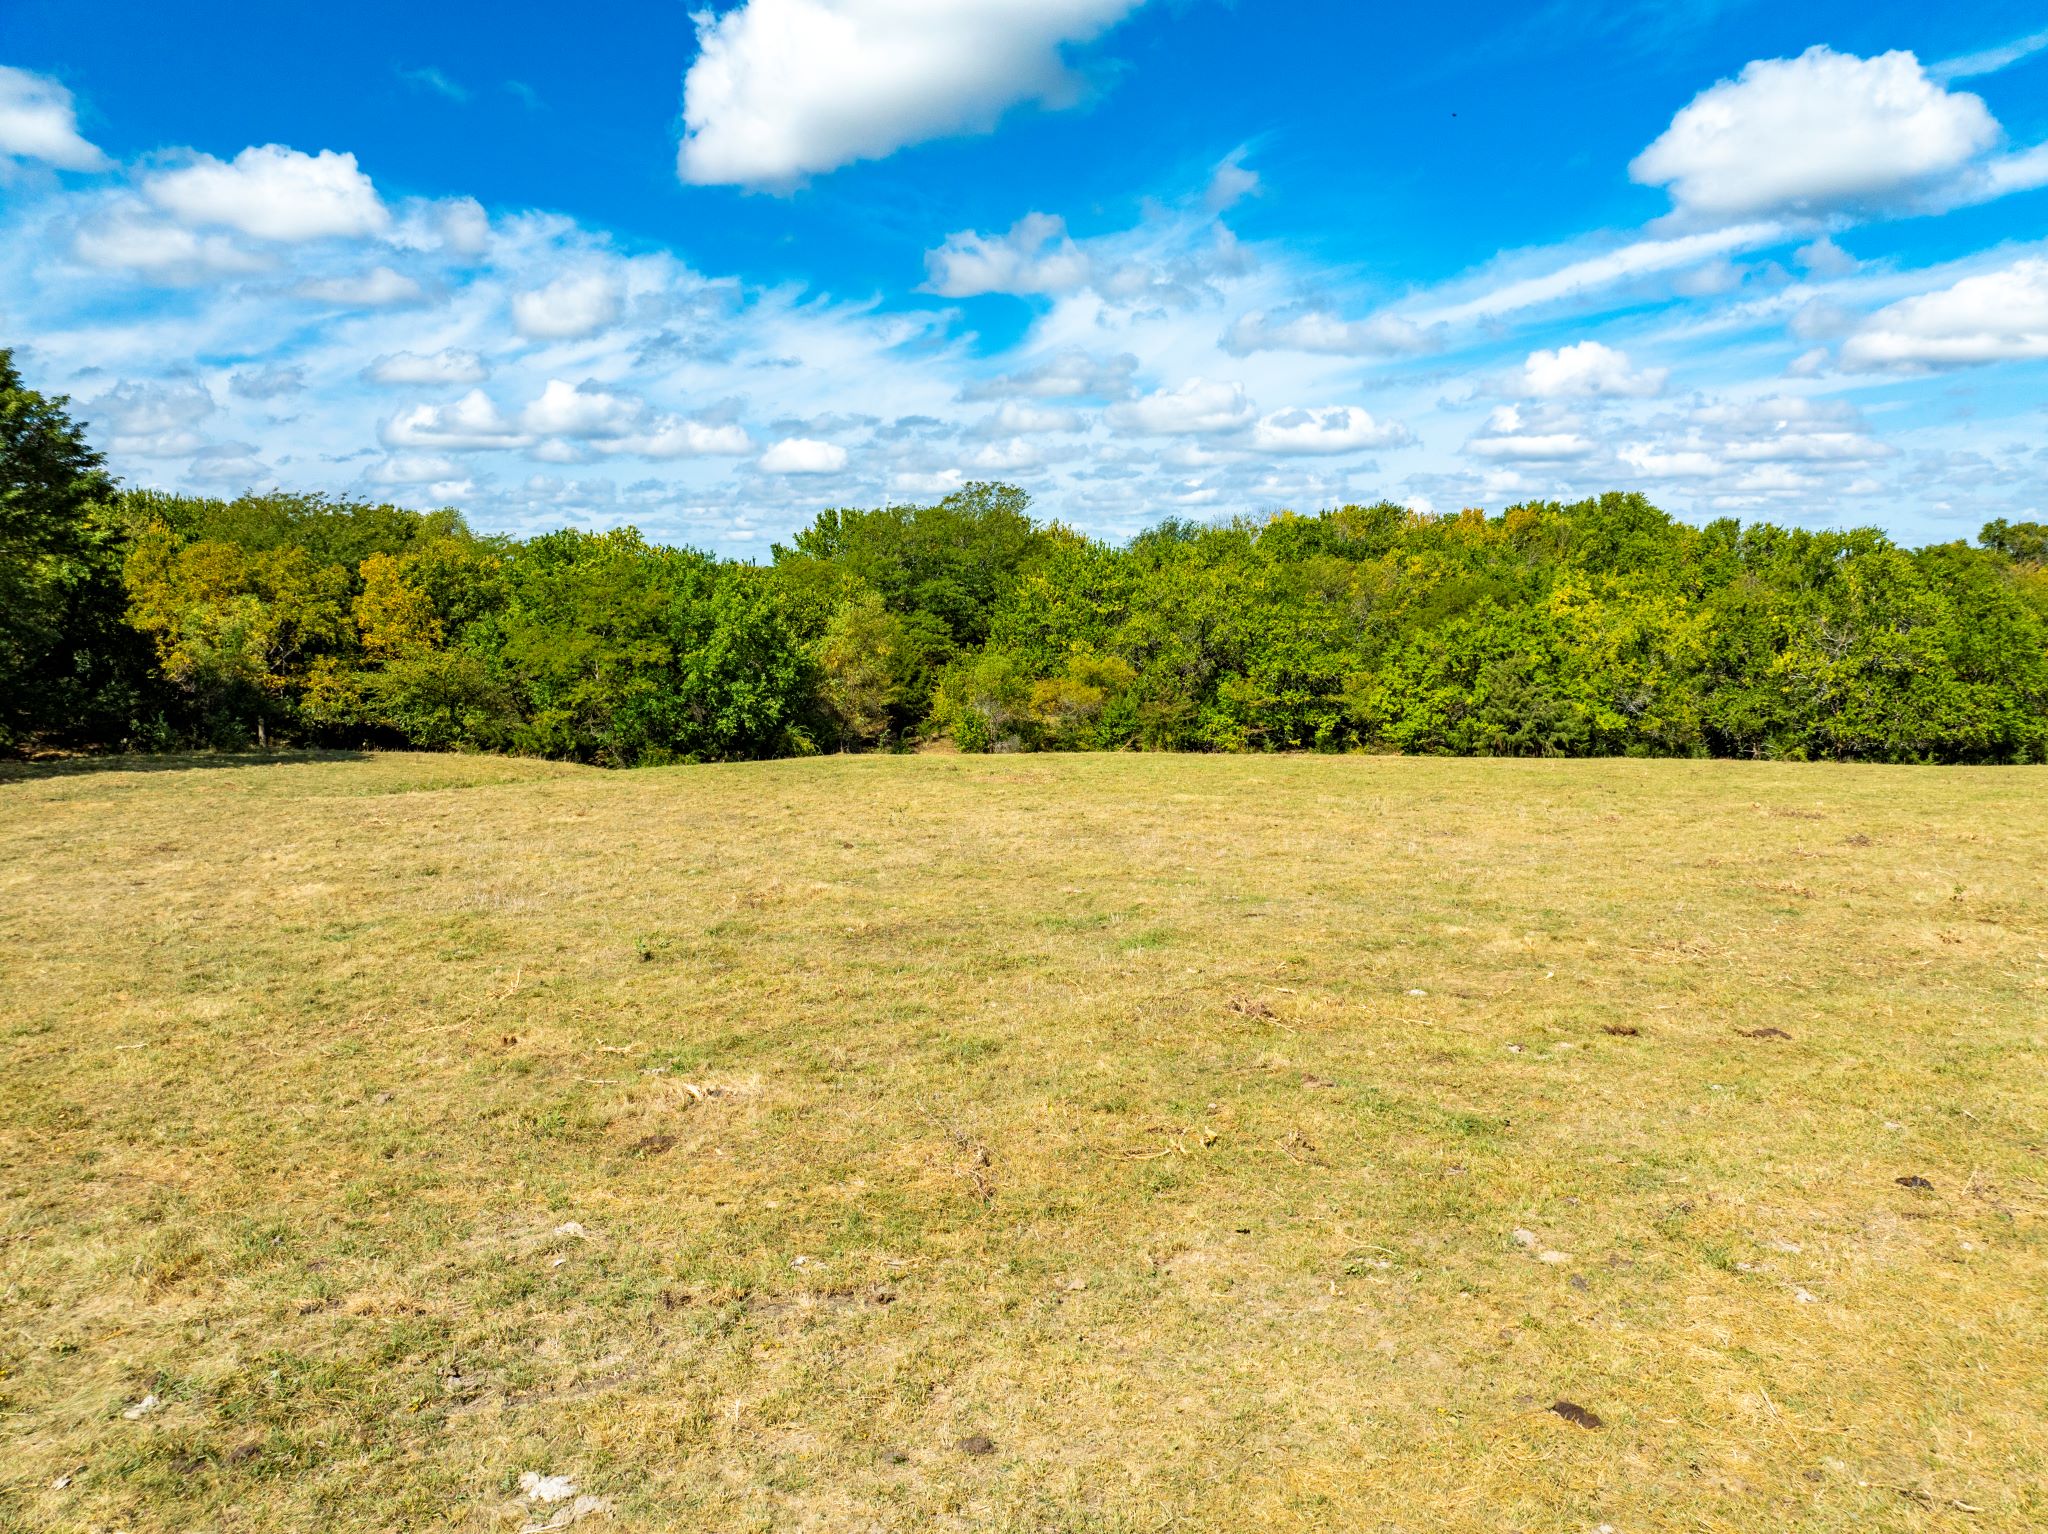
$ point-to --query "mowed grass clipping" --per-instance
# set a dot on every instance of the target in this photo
(1063, 1143)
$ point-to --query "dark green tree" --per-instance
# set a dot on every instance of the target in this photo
(70, 667)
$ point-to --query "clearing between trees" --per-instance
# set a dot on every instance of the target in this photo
(1094, 1142)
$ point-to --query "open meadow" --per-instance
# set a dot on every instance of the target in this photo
(1112, 1142)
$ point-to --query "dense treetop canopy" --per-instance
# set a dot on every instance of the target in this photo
(1605, 627)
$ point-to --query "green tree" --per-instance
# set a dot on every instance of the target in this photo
(69, 665)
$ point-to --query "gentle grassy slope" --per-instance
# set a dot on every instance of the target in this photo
(1166, 1121)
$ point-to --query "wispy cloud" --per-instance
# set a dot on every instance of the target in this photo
(1989, 61)
(428, 78)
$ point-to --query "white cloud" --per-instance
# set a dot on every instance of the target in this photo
(782, 89)
(1036, 256)
(1653, 462)
(564, 410)
(670, 436)
(1007, 457)
(1990, 61)
(1709, 280)
(1590, 274)
(1510, 436)
(452, 226)
(1588, 370)
(153, 420)
(1823, 132)
(1790, 429)
(1998, 316)
(1071, 374)
(413, 469)
(450, 365)
(277, 381)
(1331, 429)
(470, 423)
(1196, 406)
(428, 78)
(1301, 328)
(1773, 447)
(38, 121)
(125, 238)
(274, 193)
(574, 419)
(234, 464)
(572, 306)
(1824, 258)
(378, 288)
(803, 455)
(2007, 174)
(1014, 418)
(943, 482)
(1230, 184)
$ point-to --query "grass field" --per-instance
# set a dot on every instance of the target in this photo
(1050, 1143)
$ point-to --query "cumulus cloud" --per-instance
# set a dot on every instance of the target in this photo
(574, 419)
(413, 469)
(1011, 457)
(572, 306)
(563, 410)
(783, 89)
(803, 455)
(1015, 418)
(918, 482)
(234, 464)
(1817, 134)
(1198, 405)
(1036, 256)
(1302, 328)
(673, 436)
(1330, 429)
(1071, 374)
(1824, 258)
(1999, 316)
(450, 365)
(1745, 450)
(1649, 461)
(1786, 429)
(38, 121)
(277, 381)
(153, 419)
(273, 193)
(1588, 370)
(451, 226)
(378, 288)
(1513, 436)
(470, 423)
(128, 239)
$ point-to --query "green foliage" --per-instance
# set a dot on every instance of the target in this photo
(2023, 542)
(1603, 627)
(69, 666)
(1599, 628)
(625, 653)
(954, 561)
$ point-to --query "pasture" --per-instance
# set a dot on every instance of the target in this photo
(1106, 1143)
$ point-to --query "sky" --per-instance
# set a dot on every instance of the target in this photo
(710, 271)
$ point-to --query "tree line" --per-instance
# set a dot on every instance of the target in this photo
(131, 619)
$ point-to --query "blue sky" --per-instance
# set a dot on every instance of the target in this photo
(708, 273)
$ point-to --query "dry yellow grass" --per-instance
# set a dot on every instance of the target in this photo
(740, 1141)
